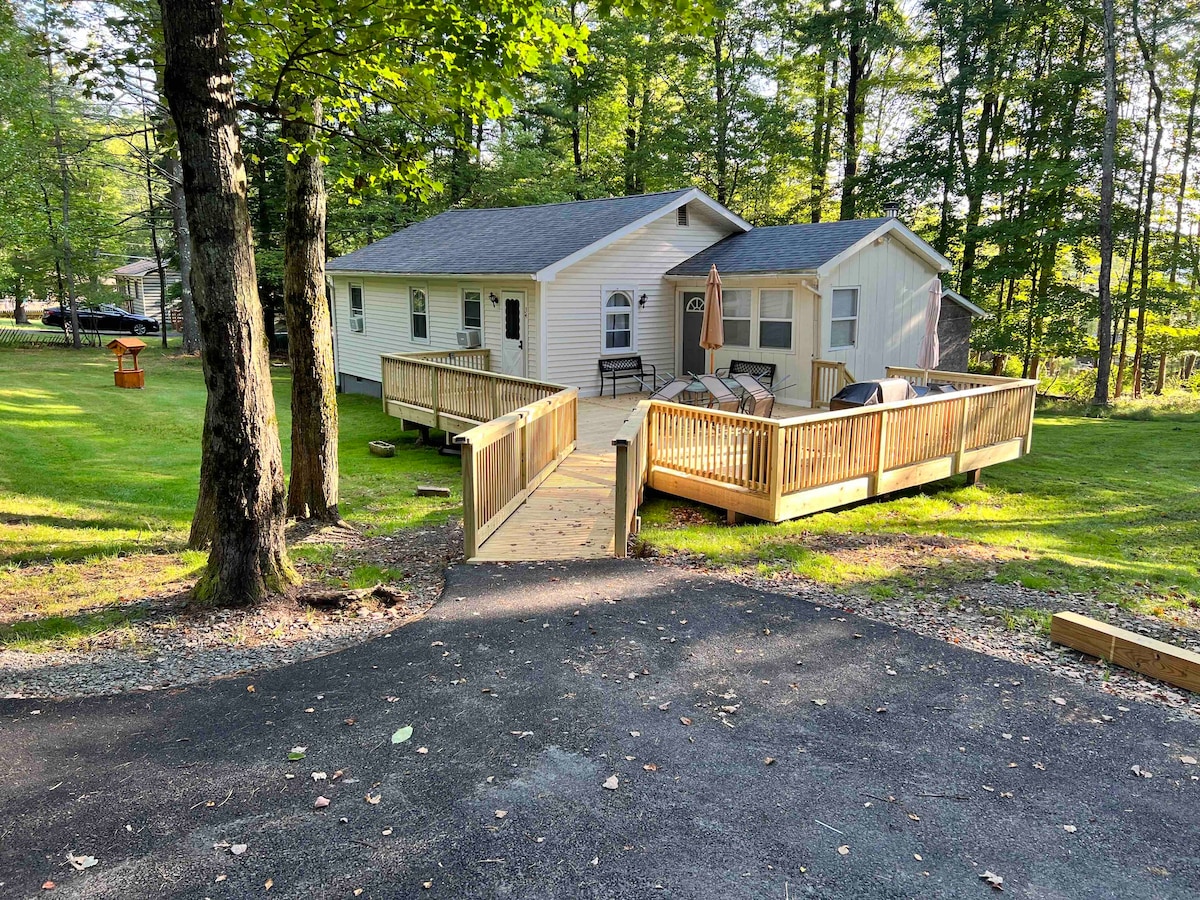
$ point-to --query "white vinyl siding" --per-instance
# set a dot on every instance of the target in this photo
(735, 308)
(387, 298)
(637, 262)
(892, 283)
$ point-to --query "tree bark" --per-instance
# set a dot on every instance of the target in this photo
(1188, 146)
(1107, 172)
(248, 559)
(313, 488)
(183, 252)
(1148, 56)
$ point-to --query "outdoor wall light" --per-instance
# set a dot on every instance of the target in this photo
(495, 300)
(641, 301)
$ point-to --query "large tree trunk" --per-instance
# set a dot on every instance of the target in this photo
(313, 489)
(248, 558)
(1107, 170)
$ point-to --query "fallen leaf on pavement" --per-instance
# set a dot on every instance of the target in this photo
(1059, 701)
(79, 863)
(48, 885)
(1070, 829)
(685, 720)
(319, 776)
(820, 702)
(1188, 760)
(1140, 772)
(268, 884)
(993, 879)
(373, 799)
(422, 750)
(650, 767)
(297, 753)
(844, 850)
(611, 783)
(665, 706)
(250, 688)
(769, 761)
(238, 849)
(402, 734)
(501, 813)
(320, 803)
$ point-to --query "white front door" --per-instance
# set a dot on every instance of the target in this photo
(512, 351)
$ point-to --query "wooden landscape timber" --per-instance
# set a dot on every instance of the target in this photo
(1157, 659)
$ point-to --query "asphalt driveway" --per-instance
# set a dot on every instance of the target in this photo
(826, 756)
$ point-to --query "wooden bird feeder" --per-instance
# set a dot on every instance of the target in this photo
(128, 347)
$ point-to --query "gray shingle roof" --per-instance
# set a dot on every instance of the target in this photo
(138, 267)
(502, 240)
(779, 248)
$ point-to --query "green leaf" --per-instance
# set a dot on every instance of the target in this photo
(402, 734)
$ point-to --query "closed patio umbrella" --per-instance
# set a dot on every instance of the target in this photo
(930, 353)
(712, 329)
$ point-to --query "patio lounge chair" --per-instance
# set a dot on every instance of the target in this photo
(670, 392)
(722, 397)
(758, 401)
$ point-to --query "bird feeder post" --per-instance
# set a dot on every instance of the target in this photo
(133, 377)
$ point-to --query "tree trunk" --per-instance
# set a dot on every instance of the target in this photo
(1156, 90)
(152, 222)
(1107, 170)
(1188, 146)
(183, 251)
(248, 558)
(313, 488)
(720, 93)
(851, 119)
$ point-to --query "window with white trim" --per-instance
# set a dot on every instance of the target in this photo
(843, 331)
(618, 321)
(775, 319)
(735, 313)
(418, 301)
(472, 309)
(356, 308)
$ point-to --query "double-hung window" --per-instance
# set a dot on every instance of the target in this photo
(843, 331)
(735, 310)
(618, 321)
(472, 309)
(419, 314)
(356, 308)
(775, 319)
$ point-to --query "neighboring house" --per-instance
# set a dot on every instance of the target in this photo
(552, 289)
(138, 283)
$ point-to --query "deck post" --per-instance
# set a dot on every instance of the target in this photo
(882, 457)
(1027, 445)
(621, 532)
(470, 523)
(775, 485)
(434, 383)
(963, 423)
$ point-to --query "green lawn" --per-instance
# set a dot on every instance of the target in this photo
(1110, 505)
(97, 484)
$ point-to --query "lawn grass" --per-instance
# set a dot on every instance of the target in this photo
(98, 484)
(1110, 505)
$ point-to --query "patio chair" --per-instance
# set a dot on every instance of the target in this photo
(758, 401)
(722, 397)
(671, 391)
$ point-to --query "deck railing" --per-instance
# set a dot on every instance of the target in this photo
(959, 380)
(780, 469)
(827, 379)
(504, 461)
(426, 389)
(479, 358)
(632, 456)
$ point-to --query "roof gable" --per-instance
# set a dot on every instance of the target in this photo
(810, 248)
(519, 240)
(138, 267)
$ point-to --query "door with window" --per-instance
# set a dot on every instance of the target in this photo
(512, 349)
(693, 320)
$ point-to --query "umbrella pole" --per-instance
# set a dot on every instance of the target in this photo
(710, 362)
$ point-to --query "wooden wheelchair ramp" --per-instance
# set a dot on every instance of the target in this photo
(571, 515)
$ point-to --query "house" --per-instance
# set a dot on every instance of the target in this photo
(139, 284)
(551, 289)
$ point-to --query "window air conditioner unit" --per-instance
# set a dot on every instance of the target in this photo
(356, 323)
(469, 338)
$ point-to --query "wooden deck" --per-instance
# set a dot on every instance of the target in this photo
(547, 475)
(572, 515)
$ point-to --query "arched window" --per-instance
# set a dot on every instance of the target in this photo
(618, 321)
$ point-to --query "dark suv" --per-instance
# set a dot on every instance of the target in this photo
(104, 317)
